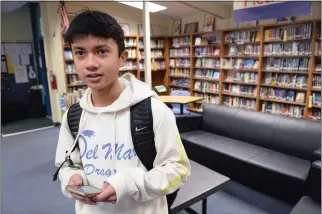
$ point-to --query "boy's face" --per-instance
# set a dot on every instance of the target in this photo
(97, 60)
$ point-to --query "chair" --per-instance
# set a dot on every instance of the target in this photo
(176, 107)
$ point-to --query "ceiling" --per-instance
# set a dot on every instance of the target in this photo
(179, 9)
(10, 6)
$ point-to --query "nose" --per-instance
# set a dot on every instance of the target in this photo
(91, 63)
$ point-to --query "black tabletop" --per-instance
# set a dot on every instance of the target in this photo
(202, 183)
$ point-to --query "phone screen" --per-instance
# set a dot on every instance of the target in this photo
(84, 190)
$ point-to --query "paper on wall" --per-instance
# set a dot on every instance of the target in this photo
(21, 75)
(24, 59)
(14, 59)
(25, 48)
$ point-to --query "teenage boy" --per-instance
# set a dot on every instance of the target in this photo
(105, 156)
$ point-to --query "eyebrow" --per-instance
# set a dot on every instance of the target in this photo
(96, 47)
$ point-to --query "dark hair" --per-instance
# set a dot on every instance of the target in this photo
(97, 24)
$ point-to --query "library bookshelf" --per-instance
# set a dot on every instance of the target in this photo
(273, 68)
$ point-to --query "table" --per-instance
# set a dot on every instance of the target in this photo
(202, 183)
(180, 100)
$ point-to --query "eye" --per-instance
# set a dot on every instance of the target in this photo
(79, 53)
(102, 52)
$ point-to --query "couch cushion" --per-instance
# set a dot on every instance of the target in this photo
(306, 206)
(282, 164)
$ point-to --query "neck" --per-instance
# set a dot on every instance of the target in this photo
(106, 96)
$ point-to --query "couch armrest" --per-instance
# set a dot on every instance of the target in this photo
(313, 181)
(188, 123)
(317, 154)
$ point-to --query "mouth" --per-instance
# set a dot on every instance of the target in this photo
(94, 77)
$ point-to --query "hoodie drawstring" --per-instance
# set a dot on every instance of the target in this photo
(114, 143)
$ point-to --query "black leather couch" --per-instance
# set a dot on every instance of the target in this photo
(267, 152)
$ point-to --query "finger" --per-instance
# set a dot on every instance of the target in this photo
(87, 202)
(111, 198)
(104, 195)
(78, 197)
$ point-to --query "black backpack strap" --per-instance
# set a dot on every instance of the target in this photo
(143, 137)
(142, 132)
(73, 118)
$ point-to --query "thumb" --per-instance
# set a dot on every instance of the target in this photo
(104, 195)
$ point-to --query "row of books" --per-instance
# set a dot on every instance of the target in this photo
(154, 54)
(316, 99)
(242, 36)
(208, 63)
(209, 98)
(155, 65)
(239, 102)
(129, 65)
(130, 42)
(154, 43)
(180, 62)
(239, 64)
(318, 48)
(246, 50)
(282, 94)
(180, 72)
(315, 114)
(73, 80)
(207, 86)
(300, 31)
(318, 68)
(131, 53)
(73, 97)
(70, 68)
(283, 109)
(247, 77)
(209, 39)
(207, 51)
(68, 54)
(182, 52)
(292, 80)
(173, 88)
(240, 89)
(181, 82)
(207, 74)
(316, 82)
(288, 49)
(296, 64)
(181, 41)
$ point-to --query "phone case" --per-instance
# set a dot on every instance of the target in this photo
(84, 190)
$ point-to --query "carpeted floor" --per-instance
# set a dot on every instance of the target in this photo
(27, 166)
(25, 125)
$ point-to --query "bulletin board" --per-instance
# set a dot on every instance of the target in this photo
(18, 72)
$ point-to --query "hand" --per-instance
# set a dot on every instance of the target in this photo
(108, 194)
(78, 180)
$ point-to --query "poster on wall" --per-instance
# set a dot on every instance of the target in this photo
(126, 28)
(176, 29)
(209, 23)
(258, 10)
(21, 75)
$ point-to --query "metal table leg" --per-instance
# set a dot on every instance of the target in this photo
(204, 206)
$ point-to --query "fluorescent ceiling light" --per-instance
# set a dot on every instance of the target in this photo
(139, 4)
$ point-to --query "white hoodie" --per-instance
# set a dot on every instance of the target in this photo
(107, 154)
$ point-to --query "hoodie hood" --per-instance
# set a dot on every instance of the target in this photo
(134, 91)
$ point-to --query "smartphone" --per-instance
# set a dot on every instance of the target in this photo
(83, 190)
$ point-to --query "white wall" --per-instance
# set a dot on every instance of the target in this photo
(16, 26)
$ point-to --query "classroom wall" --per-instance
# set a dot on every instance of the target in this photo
(228, 22)
(16, 26)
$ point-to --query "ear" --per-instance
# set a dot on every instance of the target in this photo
(123, 58)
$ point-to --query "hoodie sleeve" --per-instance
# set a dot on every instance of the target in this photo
(171, 166)
(65, 141)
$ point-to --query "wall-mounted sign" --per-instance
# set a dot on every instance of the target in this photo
(258, 10)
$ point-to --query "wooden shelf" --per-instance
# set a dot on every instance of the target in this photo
(287, 72)
(317, 72)
(285, 87)
(183, 46)
(206, 79)
(314, 106)
(210, 45)
(316, 89)
(242, 69)
(285, 56)
(179, 86)
(289, 40)
(184, 77)
(239, 82)
(179, 57)
(239, 95)
(242, 57)
(180, 67)
(206, 57)
(242, 43)
(282, 101)
(214, 68)
(206, 92)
